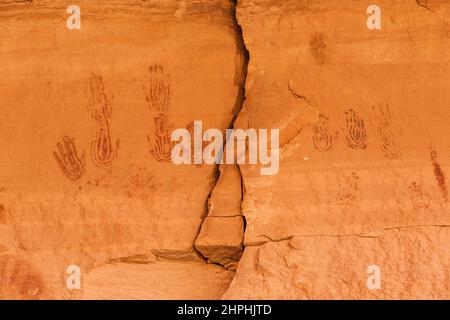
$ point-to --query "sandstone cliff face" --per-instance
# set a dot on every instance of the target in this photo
(86, 177)
(364, 150)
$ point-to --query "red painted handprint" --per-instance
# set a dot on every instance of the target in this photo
(162, 146)
(356, 132)
(68, 160)
(322, 138)
(382, 121)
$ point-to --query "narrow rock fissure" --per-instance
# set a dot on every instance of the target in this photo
(242, 60)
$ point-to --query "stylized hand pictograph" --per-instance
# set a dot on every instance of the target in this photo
(317, 47)
(356, 131)
(322, 138)
(157, 96)
(439, 175)
(190, 128)
(382, 121)
(158, 93)
(99, 104)
(103, 152)
(68, 160)
(162, 146)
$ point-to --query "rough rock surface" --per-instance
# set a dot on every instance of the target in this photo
(220, 240)
(85, 171)
(414, 264)
(364, 150)
(86, 176)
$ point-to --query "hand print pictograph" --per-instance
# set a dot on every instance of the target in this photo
(103, 151)
(158, 93)
(158, 96)
(439, 175)
(99, 103)
(322, 138)
(356, 132)
(381, 116)
(72, 165)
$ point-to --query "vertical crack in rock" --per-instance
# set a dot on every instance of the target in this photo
(221, 234)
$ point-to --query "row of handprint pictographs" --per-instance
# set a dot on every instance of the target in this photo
(72, 165)
(103, 152)
(103, 149)
(158, 96)
(356, 133)
(356, 138)
(349, 192)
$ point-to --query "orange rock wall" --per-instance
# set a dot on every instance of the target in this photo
(86, 177)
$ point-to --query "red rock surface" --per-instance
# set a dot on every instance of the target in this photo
(86, 177)
(364, 156)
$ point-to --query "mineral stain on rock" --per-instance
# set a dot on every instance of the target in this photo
(103, 151)
(2, 214)
(310, 232)
(317, 47)
(440, 176)
(420, 200)
(19, 279)
(383, 123)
